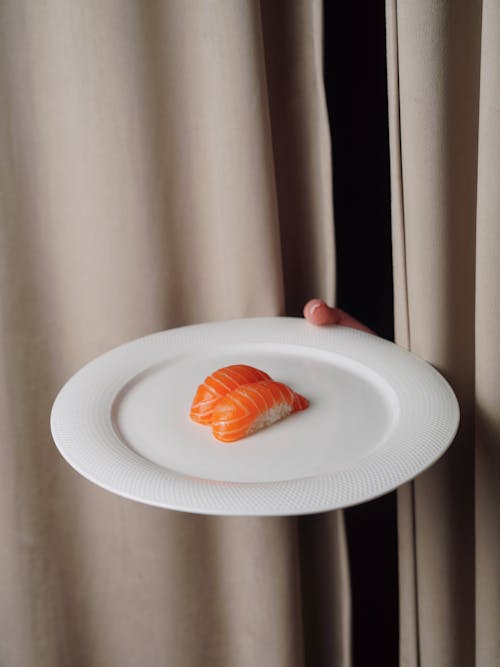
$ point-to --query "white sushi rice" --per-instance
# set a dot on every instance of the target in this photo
(271, 416)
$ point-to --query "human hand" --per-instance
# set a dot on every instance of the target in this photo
(317, 312)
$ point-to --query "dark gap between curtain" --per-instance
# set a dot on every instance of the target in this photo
(356, 89)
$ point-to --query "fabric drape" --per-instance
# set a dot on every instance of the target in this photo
(444, 94)
(161, 163)
(166, 163)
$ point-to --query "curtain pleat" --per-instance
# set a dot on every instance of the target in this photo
(146, 183)
(487, 321)
(443, 60)
(408, 610)
(302, 152)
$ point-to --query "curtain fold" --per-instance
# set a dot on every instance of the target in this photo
(149, 155)
(302, 151)
(443, 58)
(487, 322)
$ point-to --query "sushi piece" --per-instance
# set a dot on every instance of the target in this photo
(254, 406)
(217, 385)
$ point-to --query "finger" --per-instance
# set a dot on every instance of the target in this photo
(317, 312)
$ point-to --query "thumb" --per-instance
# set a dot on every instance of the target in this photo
(318, 312)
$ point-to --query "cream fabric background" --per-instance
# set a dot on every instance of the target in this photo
(444, 108)
(161, 163)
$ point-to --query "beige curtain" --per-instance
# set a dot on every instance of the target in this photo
(444, 107)
(161, 163)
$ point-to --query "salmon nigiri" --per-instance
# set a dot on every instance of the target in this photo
(217, 385)
(254, 406)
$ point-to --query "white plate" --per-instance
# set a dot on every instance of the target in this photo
(378, 416)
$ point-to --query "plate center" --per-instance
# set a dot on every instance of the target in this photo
(352, 412)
